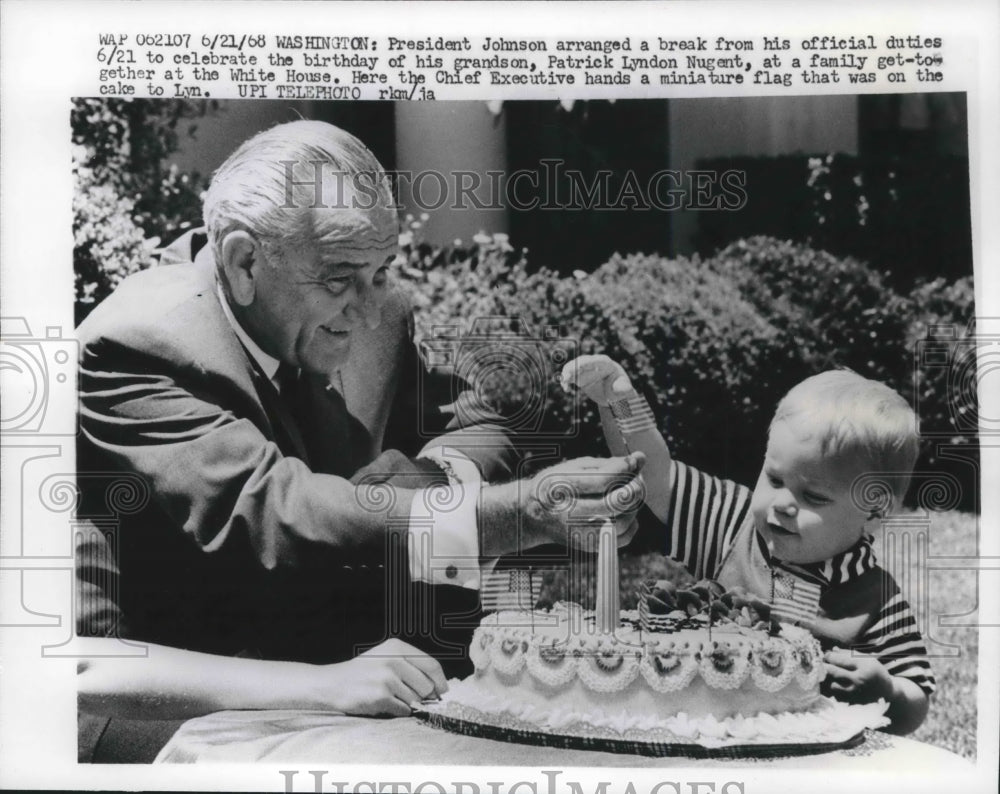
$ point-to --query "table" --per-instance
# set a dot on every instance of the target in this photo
(333, 738)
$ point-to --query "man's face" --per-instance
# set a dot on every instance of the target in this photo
(312, 296)
(802, 504)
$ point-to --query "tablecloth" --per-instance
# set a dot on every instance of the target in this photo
(333, 738)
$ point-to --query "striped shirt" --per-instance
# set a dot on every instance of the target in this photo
(708, 514)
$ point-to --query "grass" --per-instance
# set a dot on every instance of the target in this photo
(950, 597)
(944, 604)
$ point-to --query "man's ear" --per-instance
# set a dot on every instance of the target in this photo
(240, 254)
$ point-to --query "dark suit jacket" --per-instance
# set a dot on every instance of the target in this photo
(243, 531)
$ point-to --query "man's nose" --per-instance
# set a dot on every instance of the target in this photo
(366, 305)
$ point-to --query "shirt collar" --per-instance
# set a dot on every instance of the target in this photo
(268, 364)
(841, 568)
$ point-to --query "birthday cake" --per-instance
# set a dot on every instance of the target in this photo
(709, 669)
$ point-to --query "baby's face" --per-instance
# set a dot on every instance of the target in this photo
(802, 504)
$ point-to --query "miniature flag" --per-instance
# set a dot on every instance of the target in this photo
(794, 599)
(512, 588)
(633, 414)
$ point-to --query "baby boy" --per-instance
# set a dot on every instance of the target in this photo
(800, 541)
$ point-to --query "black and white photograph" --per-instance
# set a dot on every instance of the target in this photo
(630, 437)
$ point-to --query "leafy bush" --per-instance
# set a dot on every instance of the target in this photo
(455, 290)
(704, 356)
(108, 245)
(126, 199)
(837, 311)
(941, 334)
(713, 343)
(943, 316)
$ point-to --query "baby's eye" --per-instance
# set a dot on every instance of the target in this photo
(815, 498)
(775, 482)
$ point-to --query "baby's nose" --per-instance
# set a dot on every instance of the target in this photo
(784, 503)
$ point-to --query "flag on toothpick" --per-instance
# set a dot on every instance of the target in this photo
(794, 599)
(511, 589)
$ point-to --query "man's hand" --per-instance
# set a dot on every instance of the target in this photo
(600, 378)
(856, 678)
(388, 679)
(565, 504)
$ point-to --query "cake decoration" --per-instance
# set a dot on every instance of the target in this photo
(696, 665)
(719, 673)
(550, 662)
(667, 667)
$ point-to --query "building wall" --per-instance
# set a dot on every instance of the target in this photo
(766, 126)
(449, 137)
(219, 133)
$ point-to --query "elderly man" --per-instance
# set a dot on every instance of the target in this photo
(267, 397)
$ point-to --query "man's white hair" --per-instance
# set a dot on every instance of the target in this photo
(270, 184)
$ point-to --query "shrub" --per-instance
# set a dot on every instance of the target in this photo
(107, 243)
(943, 315)
(837, 311)
(454, 290)
(940, 334)
(704, 356)
(126, 199)
(713, 343)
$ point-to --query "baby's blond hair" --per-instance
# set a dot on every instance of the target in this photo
(857, 419)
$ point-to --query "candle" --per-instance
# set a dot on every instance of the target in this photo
(607, 607)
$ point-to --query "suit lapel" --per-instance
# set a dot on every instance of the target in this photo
(288, 413)
(222, 352)
(336, 430)
(369, 380)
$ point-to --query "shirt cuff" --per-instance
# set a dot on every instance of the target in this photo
(457, 466)
(444, 536)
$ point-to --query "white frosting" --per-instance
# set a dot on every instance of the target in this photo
(552, 672)
(724, 658)
(775, 666)
(828, 721)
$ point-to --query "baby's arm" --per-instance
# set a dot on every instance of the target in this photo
(858, 678)
(627, 421)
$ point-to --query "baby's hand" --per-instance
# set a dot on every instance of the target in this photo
(856, 678)
(600, 378)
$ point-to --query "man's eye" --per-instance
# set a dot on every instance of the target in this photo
(337, 285)
(381, 276)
